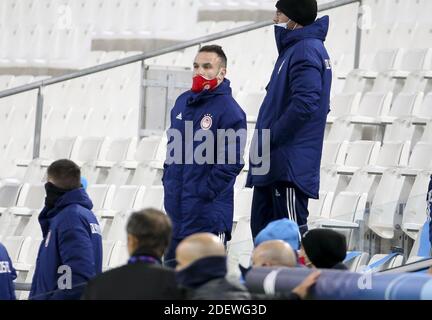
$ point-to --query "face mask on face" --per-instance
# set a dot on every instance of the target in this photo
(282, 25)
(53, 193)
(285, 25)
(200, 83)
(281, 30)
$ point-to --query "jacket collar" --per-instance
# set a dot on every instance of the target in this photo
(77, 196)
(316, 30)
(222, 89)
(202, 271)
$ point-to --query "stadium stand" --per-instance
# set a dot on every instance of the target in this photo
(375, 165)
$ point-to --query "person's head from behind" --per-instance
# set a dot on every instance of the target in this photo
(148, 232)
(323, 248)
(209, 68)
(64, 174)
(294, 14)
(283, 229)
(196, 247)
(274, 253)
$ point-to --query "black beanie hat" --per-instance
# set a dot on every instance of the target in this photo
(303, 12)
(325, 248)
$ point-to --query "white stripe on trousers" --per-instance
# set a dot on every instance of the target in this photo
(221, 237)
(292, 213)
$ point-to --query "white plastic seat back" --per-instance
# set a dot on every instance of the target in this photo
(415, 211)
(385, 204)
(420, 156)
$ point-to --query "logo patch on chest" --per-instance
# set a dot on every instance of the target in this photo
(206, 122)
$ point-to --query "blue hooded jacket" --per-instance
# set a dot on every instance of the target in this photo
(199, 196)
(295, 108)
(71, 237)
(7, 275)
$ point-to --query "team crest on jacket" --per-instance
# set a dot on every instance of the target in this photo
(206, 122)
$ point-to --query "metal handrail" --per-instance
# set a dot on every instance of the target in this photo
(144, 56)
(40, 85)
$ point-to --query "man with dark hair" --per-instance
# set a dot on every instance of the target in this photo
(143, 278)
(71, 251)
(219, 52)
(295, 111)
(198, 181)
(65, 174)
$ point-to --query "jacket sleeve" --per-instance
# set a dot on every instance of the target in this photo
(76, 252)
(222, 175)
(305, 85)
(13, 276)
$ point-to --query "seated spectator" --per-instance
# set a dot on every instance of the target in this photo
(144, 277)
(277, 253)
(283, 229)
(7, 276)
(274, 253)
(323, 248)
(202, 269)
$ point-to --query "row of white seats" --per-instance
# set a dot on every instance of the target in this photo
(105, 16)
(93, 153)
(37, 46)
(349, 156)
(395, 64)
(361, 262)
(388, 99)
(342, 129)
(382, 195)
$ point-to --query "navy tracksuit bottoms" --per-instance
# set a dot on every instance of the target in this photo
(276, 201)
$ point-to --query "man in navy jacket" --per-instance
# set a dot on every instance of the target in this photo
(201, 168)
(71, 251)
(295, 111)
(7, 276)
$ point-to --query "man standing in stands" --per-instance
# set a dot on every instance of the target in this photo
(143, 278)
(294, 109)
(7, 276)
(71, 251)
(205, 153)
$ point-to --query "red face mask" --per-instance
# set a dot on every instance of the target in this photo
(302, 261)
(199, 83)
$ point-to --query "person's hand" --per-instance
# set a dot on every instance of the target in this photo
(303, 288)
(430, 271)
